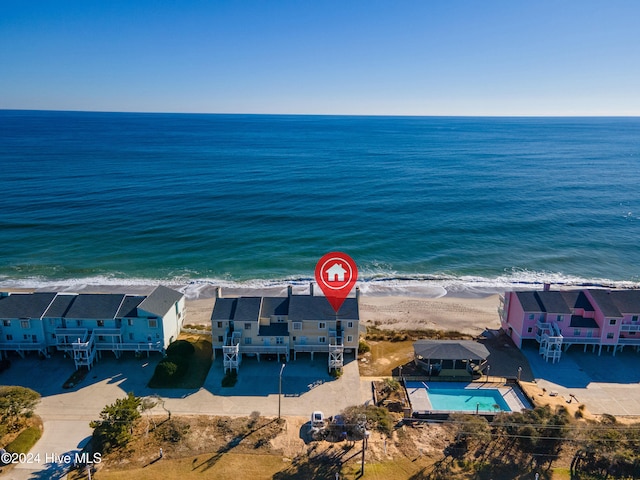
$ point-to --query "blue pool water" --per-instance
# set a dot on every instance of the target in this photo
(467, 400)
(456, 398)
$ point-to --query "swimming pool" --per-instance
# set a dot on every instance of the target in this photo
(467, 400)
(462, 397)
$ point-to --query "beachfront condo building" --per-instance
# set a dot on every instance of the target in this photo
(556, 320)
(284, 326)
(85, 325)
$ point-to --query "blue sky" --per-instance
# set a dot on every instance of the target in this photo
(423, 57)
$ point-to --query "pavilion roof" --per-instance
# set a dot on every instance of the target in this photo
(450, 349)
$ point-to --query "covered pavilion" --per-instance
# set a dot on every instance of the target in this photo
(450, 357)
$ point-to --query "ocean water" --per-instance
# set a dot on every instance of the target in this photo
(424, 205)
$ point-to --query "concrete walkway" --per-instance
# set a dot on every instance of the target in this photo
(306, 386)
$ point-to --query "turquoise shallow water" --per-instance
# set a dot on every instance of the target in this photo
(423, 205)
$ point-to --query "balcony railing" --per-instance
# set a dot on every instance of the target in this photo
(588, 340)
(23, 346)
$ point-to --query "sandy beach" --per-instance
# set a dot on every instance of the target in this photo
(467, 315)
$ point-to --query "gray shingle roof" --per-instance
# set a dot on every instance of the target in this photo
(605, 301)
(306, 307)
(60, 305)
(274, 306)
(161, 300)
(248, 309)
(25, 305)
(553, 302)
(129, 307)
(627, 301)
(274, 330)
(529, 302)
(577, 299)
(450, 349)
(224, 309)
(95, 305)
(578, 321)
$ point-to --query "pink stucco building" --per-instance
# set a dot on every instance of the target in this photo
(558, 319)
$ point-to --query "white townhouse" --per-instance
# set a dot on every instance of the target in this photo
(84, 325)
(283, 325)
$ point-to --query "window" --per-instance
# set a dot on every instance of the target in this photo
(297, 325)
(322, 325)
(130, 322)
(349, 324)
(610, 335)
(576, 332)
(130, 336)
(634, 318)
(294, 339)
(531, 316)
(247, 340)
(219, 324)
(220, 338)
(279, 341)
(24, 324)
(247, 326)
(6, 323)
(530, 329)
(101, 323)
(9, 337)
(559, 318)
(78, 323)
(153, 323)
(322, 339)
(612, 321)
(349, 338)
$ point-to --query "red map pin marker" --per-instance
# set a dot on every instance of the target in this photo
(336, 274)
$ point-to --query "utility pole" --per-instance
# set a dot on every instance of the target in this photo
(280, 390)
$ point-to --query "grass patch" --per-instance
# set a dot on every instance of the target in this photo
(27, 439)
(374, 333)
(189, 371)
(384, 357)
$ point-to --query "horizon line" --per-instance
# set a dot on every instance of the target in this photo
(406, 115)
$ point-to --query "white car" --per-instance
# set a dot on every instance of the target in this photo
(317, 420)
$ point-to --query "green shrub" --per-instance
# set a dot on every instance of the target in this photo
(169, 371)
(115, 427)
(180, 348)
(376, 417)
(363, 347)
(23, 442)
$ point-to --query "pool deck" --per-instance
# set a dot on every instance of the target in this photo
(420, 402)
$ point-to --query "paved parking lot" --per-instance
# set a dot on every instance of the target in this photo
(306, 386)
(606, 384)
